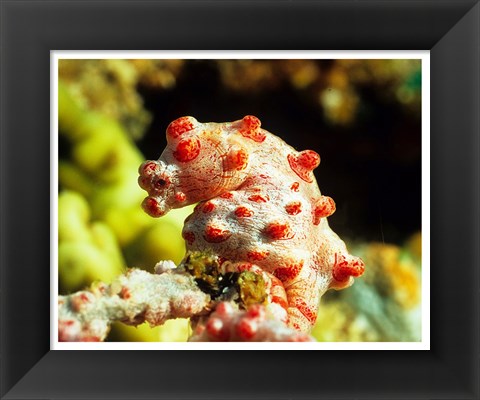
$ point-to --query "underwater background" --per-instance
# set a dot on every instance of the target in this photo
(362, 116)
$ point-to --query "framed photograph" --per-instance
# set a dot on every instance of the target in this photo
(361, 110)
(393, 114)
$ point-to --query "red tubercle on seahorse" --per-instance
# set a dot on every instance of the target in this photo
(289, 272)
(180, 126)
(257, 255)
(246, 266)
(226, 195)
(243, 212)
(259, 198)
(294, 208)
(148, 168)
(343, 269)
(259, 208)
(279, 231)
(216, 234)
(305, 309)
(235, 160)
(187, 150)
(324, 207)
(152, 207)
(189, 237)
(304, 163)
(208, 207)
(180, 197)
(295, 186)
(251, 129)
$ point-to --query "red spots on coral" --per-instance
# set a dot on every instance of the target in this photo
(84, 297)
(180, 126)
(224, 309)
(217, 330)
(259, 198)
(64, 329)
(251, 129)
(343, 269)
(215, 234)
(187, 149)
(295, 186)
(152, 207)
(304, 163)
(246, 328)
(256, 311)
(189, 237)
(294, 208)
(91, 339)
(226, 195)
(208, 207)
(99, 288)
(235, 160)
(80, 300)
(243, 212)
(288, 273)
(307, 311)
(180, 197)
(324, 207)
(125, 293)
(257, 255)
(279, 231)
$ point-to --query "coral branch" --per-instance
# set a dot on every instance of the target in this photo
(138, 296)
(133, 298)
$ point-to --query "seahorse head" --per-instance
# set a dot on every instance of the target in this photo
(160, 181)
(201, 161)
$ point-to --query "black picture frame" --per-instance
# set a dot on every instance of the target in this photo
(30, 29)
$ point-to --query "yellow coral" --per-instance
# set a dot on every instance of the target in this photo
(394, 275)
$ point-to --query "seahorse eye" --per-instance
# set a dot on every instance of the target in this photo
(161, 183)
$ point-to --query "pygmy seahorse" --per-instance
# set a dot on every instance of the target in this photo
(260, 209)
